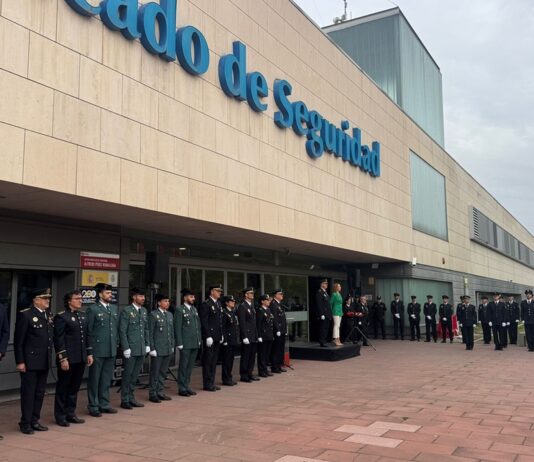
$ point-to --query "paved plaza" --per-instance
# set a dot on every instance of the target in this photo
(406, 401)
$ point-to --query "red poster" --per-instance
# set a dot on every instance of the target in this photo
(99, 261)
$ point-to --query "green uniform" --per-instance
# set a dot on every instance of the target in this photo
(102, 335)
(187, 335)
(161, 339)
(133, 333)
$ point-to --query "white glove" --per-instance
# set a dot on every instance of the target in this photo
(225, 343)
(474, 325)
(127, 353)
(507, 323)
(461, 325)
(397, 315)
(246, 341)
(428, 317)
(360, 323)
(278, 334)
(153, 353)
(504, 324)
(222, 338)
(209, 342)
(413, 316)
(490, 324)
(260, 340)
(322, 317)
(445, 319)
(180, 347)
(147, 349)
(517, 320)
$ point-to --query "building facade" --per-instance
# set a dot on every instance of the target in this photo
(245, 148)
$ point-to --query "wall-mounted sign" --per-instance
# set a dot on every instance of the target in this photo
(189, 47)
(91, 278)
(89, 295)
(99, 261)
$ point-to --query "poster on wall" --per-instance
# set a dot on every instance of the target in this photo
(99, 261)
(98, 268)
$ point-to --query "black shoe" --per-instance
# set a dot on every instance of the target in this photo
(282, 369)
(245, 379)
(95, 413)
(217, 387)
(254, 378)
(135, 403)
(75, 420)
(412, 340)
(269, 374)
(184, 394)
(210, 389)
(63, 423)
(164, 397)
(228, 384)
(124, 406)
(108, 410)
(322, 345)
(154, 399)
(39, 428)
(264, 375)
(191, 393)
(26, 430)
(276, 371)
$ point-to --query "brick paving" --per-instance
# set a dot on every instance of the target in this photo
(447, 404)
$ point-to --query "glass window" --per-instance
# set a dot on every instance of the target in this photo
(27, 282)
(137, 276)
(296, 302)
(429, 209)
(254, 280)
(269, 283)
(5, 291)
(235, 282)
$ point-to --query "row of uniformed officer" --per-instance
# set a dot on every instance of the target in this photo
(414, 313)
(467, 320)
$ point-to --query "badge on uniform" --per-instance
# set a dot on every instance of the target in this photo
(73, 318)
(35, 319)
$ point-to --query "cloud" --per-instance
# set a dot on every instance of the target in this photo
(484, 50)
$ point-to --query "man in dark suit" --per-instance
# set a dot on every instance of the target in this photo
(414, 311)
(514, 316)
(445, 316)
(324, 312)
(527, 316)
(484, 319)
(397, 311)
(72, 354)
(378, 317)
(246, 314)
(210, 313)
(280, 327)
(34, 333)
(4, 335)
(468, 321)
(498, 321)
(430, 311)
(230, 325)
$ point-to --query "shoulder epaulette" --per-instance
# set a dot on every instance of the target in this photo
(24, 310)
(60, 313)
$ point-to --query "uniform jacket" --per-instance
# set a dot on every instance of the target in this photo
(161, 332)
(265, 323)
(230, 324)
(280, 321)
(322, 300)
(187, 329)
(397, 308)
(527, 311)
(460, 308)
(446, 311)
(362, 313)
(4, 329)
(469, 315)
(497, 313)
(70, 336)
(379, 310)
(513, 311)
(429, 309)
(103, 329)
(414, 308)
(484, 313)
(34, 333)
(210, 313)
(247, 321)
(133, 330)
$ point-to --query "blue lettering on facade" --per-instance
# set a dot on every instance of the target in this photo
(189, 47)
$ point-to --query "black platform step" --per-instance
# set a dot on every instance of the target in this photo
(314, 352)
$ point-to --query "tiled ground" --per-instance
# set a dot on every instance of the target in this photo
(455, 405)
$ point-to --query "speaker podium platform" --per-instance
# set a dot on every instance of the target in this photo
(314, 352)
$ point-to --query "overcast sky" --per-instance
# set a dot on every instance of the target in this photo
(485, 49)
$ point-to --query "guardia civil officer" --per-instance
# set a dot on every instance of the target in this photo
(324, 312)
(459, 315)
(188, 336)
(34, 332)
(246, 314)
(265, 327)
(280, 331)
(102, 334)
(527, 316)
(361, 313)
(430, 311)
(514, 316)
(161, 341)
(4, 334)
(230, 326)
(484, 318)
(498, 321)
(397, 311)
(414, 313)
(72, 354)
(378, 318)
(468, 321)
(134, 340)
(210, 313)
(445, 316)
